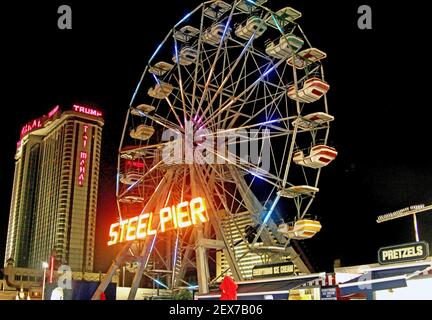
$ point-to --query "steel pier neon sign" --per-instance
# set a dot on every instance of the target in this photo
(180, 216)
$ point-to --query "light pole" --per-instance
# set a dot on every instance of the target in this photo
(45, 267)
(410, 211)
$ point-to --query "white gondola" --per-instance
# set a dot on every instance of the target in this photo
(131, 173)
(313, 90)
(283, 17)
(127, 156)
(131, 199)
(254, 25)
(186, 56)
(320, 156)
(142, 109)
(132, 153)
(130, 178)
(186, 33)
(302, 229)
(307, 57)
(313, 120)
(142, 132)
(248, 6)
(298, 191)
(161, 68)
(216, 10)
(214, 34)
(288, 44)
(161, 90)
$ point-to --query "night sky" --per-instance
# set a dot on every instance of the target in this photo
(378, 97)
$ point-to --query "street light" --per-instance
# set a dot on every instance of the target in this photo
(410, 211)
(45, 267)
(21, 294)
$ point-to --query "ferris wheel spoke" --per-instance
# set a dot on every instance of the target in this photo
(273, 97)
(183, 110)
(221, 97)
(180, 80)
(209, 88)
(238, 111)
(212, 68)
(198, 65)
(268, 123)
(186, 85)
(243, 204)
(276, 112)
(269, 69)
(275, 101)
(169, 103)
(222, 195)
(264, 138)
(200, 76)
(277, 167)
(249, 168)
(231, 70)
(225, 190)
(241, 79)
(235, 84)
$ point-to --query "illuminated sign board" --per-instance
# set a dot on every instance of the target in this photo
(38, 123)
(180, 216)
(83, 157)
(273, 270)
(88, 111)
(42, 121)
(33, 125)
(53, 112)
(329, 293)
(402, 253)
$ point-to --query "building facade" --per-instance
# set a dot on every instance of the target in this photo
(55, 190)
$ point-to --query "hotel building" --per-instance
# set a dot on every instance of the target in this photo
(55, 190)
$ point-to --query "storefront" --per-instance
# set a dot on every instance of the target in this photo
(404, 272)
(306, 287)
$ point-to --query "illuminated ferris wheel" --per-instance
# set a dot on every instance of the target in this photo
(222, 147)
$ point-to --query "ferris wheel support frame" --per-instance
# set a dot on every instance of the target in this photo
(117, 263)
(203, 272)
(217, 226)
(144, 256)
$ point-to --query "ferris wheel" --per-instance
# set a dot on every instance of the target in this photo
(231, 109)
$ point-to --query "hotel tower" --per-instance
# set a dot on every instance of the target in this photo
(55, 190)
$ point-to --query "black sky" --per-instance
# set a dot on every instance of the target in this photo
(379, 97)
